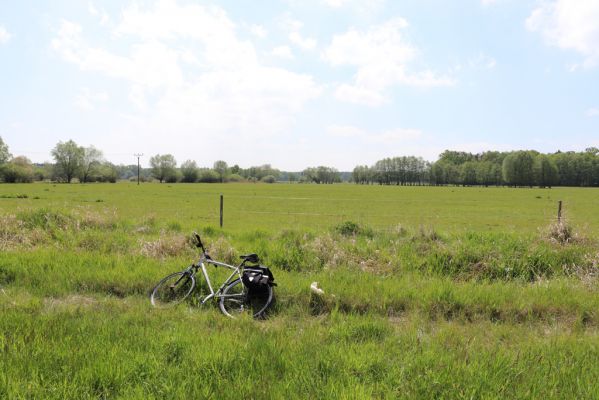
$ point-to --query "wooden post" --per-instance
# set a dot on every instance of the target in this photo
(221, 210)
(559, 212)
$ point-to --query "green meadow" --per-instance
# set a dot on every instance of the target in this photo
(430, 292)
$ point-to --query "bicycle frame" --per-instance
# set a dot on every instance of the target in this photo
(218, 293)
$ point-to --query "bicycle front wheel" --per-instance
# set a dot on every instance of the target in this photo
(173, 289)
(236, 300)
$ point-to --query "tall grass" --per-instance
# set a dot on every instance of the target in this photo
(409, 311)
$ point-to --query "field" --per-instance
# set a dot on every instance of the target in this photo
(430, 292)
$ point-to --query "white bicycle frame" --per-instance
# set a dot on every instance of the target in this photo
(218, 293)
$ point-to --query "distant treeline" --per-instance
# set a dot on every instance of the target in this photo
(491, 168)
(515, 168)
(87, 164)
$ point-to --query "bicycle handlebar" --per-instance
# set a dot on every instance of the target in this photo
(199, 245)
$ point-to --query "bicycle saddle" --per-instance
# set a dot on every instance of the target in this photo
(253, 258)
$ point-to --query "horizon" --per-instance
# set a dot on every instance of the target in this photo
(292, 84)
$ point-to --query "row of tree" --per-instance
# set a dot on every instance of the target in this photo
(87, 164)
(516, 168)
(71, 161)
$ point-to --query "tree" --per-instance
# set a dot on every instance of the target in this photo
(163, 167)
(18, 170)
(4, 153)
(545, 171)
(69, 160)
(468, 173)
(92, 160)
(269, 179)
(221, 169)
(208, 175)
(518, 168)
(189, 171)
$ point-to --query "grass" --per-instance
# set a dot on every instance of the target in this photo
(429, 292)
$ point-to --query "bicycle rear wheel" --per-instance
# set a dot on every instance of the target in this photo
(173, 289)
(236, 300)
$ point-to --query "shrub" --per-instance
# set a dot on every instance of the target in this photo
(18, 170)
(235, 178)
(348, 228)
(269, 179)
(208, 176)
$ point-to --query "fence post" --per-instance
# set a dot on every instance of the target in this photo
(221, 210)
(559, 212)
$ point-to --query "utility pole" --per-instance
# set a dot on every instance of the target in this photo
(138, 156)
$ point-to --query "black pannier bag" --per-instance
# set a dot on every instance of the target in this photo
(257, 277)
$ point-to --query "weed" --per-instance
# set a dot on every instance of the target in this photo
(561, 232)
(166, 246)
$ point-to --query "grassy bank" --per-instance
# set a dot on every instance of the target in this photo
(411, 310)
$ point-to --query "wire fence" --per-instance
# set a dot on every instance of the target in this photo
(323, 212)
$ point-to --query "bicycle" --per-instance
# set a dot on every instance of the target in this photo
(236, 294)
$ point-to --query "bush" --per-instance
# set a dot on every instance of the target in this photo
(235, 178)
(208, 176)
(18, 170)
(348, 228)
(269, 179)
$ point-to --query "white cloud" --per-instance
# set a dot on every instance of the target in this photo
(387, 137)
(359, 7)
(289, 24)
(258, 31)
(382, 57)
(569, 25)
(293, 28)
(5, 36)
(482, 61)
(302, 42)
(593, 112)
(86, 99)
(282, 52)
(335, 3)
(187, 72)
(359, 95)
(396, 135)
(344, 131)
(101, 14)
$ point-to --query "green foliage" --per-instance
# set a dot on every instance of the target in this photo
(4, 153)
(18, 170)
(348, 228)
(321, 175)
(69, 158)
(235, 178)
(90, 165)
(189, 171)
(208, 176)
(164, 167)
(545, 170)
(222, 169)
(269, 179)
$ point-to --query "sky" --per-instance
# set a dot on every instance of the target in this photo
(298, 83)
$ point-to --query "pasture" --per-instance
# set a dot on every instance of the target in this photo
(431, 292)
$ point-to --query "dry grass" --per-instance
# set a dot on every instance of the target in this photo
(561, 233)
(14, 236)
(166, 246)
(222, 250)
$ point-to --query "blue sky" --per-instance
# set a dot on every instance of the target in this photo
(298, 83)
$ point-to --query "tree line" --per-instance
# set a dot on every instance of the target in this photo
(490, 168)
(87, 164)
